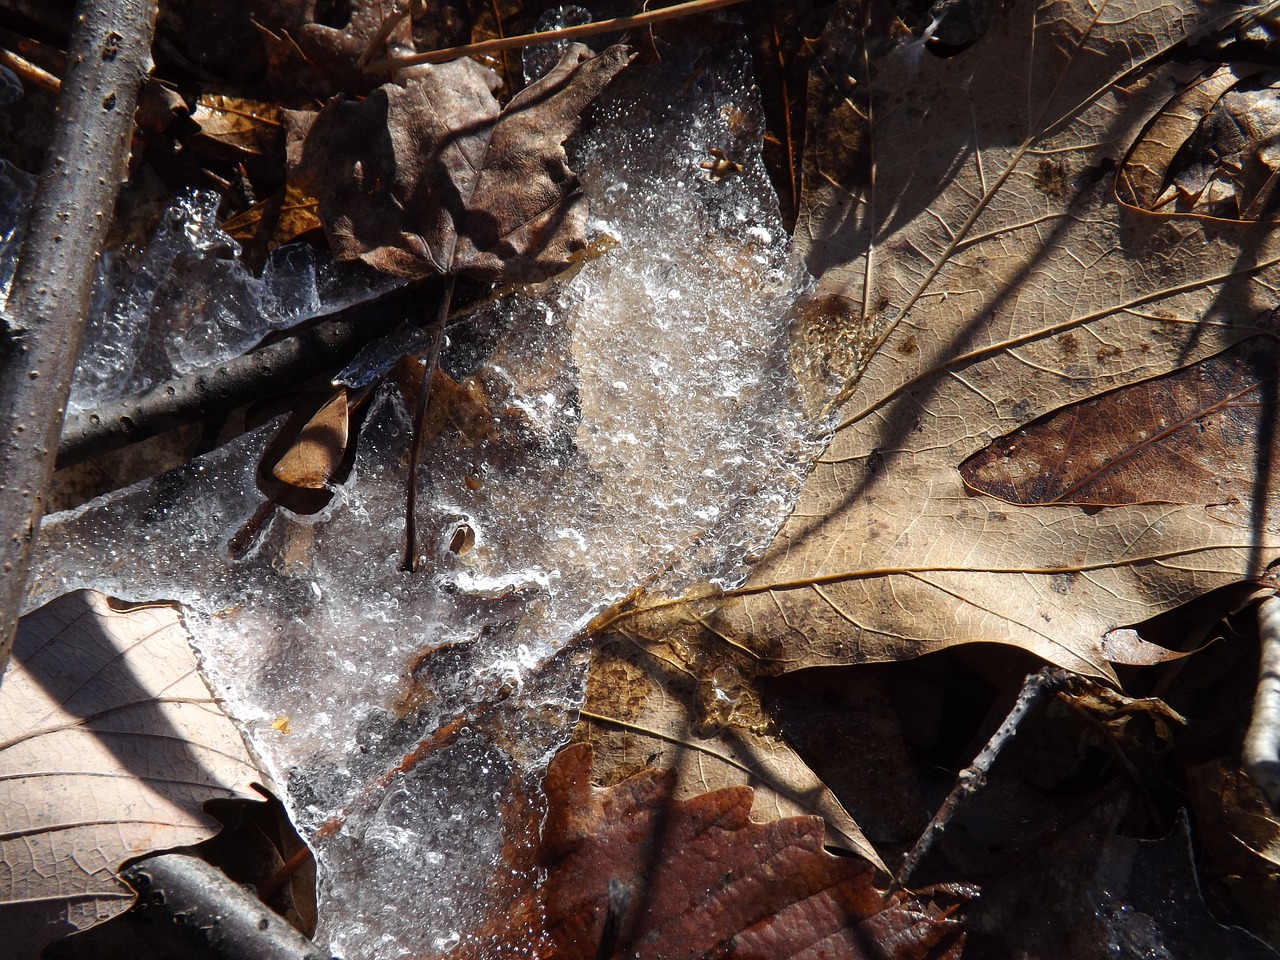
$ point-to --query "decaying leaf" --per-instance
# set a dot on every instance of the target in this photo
(699, 878)
(1210, 151)
(110, 742)
(1240, 839)
(1201, 430)
(284, 216)
(432, 178)
(962, 212)
(236, 127)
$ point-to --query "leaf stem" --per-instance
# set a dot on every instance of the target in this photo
(429, 364)
(499, 44)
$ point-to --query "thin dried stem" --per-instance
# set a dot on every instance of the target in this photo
(430, 362)
(1035, 689)
(25, 70)
(551, 36)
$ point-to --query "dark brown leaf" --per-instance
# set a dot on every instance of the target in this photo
(1197, 435)
(433, 178)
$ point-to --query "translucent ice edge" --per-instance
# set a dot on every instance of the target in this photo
(643, 426)
(187, 301)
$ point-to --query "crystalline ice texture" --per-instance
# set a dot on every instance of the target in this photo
(16, 190)
(540, 58)
(635, 423)
(188, 302)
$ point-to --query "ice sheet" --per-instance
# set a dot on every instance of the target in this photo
(187, 301)
(643, 427)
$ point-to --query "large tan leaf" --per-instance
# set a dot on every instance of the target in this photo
(110, 742)
(990, 276)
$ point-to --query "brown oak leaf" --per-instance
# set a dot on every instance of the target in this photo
(434, 178)
(699, 878)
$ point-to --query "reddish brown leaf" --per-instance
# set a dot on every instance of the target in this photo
(1192, 436)
(701, 879)
(433, 178)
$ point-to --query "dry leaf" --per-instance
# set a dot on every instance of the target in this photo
(284, 216)
(1239, 837)
(319, 449)
(432, 178)
(1211, 150)
(110, 742)
(699, 878)
(235, 128)
(990, 279)
(1196, 429)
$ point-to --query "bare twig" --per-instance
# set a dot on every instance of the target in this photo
(108, 61)
(24, 69)
(615, 25)
(1262, 742)
(1036, 688)
(215, 392)
(197, 904)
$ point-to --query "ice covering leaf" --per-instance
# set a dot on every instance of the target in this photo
(699, 878)
(110, 742)
(433, 178)
(962, 214)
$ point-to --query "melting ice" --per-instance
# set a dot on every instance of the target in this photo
(646, 429)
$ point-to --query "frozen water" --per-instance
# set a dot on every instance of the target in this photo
(187, 301)
(17, 188)
(634, 423)
(539, 59)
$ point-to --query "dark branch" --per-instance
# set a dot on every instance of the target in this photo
(198, 904)
(213, 393)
